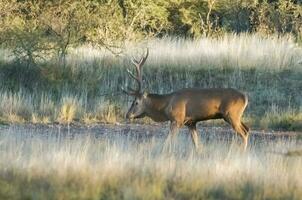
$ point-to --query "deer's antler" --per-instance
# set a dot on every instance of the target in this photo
(138, 77)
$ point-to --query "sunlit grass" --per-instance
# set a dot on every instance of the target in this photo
(287, 119)
(68, 111)
(36, 119)
(52, 165)
(228, 51)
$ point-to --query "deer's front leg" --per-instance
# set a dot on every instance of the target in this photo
(195, 138)
(170, 138)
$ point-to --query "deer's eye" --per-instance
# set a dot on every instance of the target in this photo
(136, 103)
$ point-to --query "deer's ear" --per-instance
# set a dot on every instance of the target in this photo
(145, 95)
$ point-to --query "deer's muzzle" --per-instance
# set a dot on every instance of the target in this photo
(129, 115)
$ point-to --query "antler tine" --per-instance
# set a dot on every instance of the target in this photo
(132, 75)
(141, 62)
(143, 59)
(138, 76)
(138, 70)
(129, 91)
(134, 61)
(138, 67)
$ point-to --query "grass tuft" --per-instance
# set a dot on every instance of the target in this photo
(68, 111)
(282, 119)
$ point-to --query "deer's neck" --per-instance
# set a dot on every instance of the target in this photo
(156, 107)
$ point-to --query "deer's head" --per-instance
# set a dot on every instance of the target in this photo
(138, 106)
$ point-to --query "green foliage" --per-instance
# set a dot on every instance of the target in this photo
(69, 23)
(238, 16)
(22, 33)
(192, 14)
(34, 29)
(280, 17)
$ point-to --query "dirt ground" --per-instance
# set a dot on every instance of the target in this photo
(154, 130)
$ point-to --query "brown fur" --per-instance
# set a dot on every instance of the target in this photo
(189, 106)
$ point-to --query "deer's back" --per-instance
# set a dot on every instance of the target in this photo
(201, 104)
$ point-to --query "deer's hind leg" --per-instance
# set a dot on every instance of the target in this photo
(235, 121)
(246, 128)
(194, 137)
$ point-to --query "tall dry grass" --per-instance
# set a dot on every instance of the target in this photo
(228, 51)
(48, 164)
(267, 68)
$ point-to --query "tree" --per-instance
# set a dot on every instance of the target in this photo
(22, 33)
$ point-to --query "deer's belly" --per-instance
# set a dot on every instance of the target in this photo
(202, 117)
(203, 113)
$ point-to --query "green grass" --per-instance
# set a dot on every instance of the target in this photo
(266, 68)
(47, 164)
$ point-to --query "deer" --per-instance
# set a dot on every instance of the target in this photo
(187, 107)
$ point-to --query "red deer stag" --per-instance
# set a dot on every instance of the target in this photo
(188, 106)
